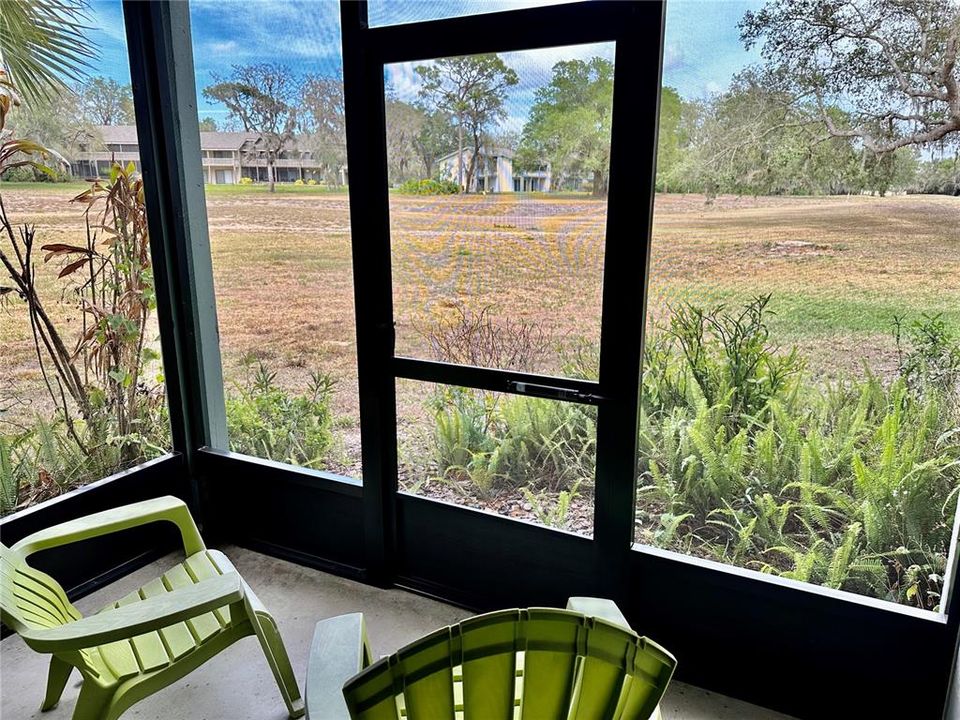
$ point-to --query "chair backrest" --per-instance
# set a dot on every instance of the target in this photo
(30, 599)
(516, 664)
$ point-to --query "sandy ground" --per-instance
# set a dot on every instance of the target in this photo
(840, 269)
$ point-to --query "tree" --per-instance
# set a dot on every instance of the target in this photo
(891, 65)
(404, 123)
(262, 98)
(473, 90)
(323, 122)
(753, 139)
(669, 137)
(56, 123)
(43, 45)
(436, 138)
(208, 124)
(570, 121)
(104, 101)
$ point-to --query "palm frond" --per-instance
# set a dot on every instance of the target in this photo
(43, 45)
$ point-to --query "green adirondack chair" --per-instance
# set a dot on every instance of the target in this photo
(150, 638)
(583, 663)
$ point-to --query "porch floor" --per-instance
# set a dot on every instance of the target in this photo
(237, 685)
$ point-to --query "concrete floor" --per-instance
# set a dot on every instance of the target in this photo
(237, 685)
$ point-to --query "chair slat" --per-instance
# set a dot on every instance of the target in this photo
(202, 567)
(119, 659)
(550, 664)
(610, 651)
(202, 626)
(149, 649)
(370, 695)
(177, 638)
(489, 645)
(428, 677)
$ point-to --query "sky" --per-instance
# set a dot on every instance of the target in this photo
(702, 48)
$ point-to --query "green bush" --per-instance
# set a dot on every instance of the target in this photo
(429, 187)
(26, 173)
(501, 441)
(245, 181)
(743, 461)
(268, 422)
(49, 458)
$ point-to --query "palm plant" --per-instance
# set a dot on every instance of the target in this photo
(43, 46)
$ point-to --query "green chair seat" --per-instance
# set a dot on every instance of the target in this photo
(152, 637)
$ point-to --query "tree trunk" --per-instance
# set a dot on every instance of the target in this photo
(599, 184)
(270, 173)
(460, 153)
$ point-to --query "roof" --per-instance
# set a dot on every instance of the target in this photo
(491, 152)
(127, 135)
(225, 140)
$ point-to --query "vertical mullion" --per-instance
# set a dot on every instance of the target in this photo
(165, 103)
(636, 86)
(373, 286)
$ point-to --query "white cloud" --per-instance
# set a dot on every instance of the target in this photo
(403, 79)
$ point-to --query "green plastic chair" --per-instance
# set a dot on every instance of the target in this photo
(148, 639)
(583, 663)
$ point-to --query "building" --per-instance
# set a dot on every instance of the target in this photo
(227, 157)
(495, 172)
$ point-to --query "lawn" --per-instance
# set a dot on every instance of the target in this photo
(840, 269)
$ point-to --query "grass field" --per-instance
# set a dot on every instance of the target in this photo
(840, 269)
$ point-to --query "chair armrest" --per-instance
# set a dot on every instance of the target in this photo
(598, 607)
(339, 651)
(167, 508)
(137, 618)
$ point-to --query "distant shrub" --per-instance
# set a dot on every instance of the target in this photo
(298, 181)
(311, 181)
(505, 441)
(27, 173)
(268, 422)
(245, 181)
(429, 187)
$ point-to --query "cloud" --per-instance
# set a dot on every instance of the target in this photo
(402, 78)
(534, 70)
(672, 57)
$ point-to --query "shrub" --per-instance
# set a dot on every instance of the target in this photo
(429, 187)
(311, 181)
(499, 441)
(245, 181)
(929, 356)
(298, 181)
(27, 173)
(51, 458)
(851, 486)
(268, 422)
(742, 459)
(464, 336)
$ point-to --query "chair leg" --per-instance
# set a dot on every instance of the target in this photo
(93, 702)
(276, 654)
(56, 681)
